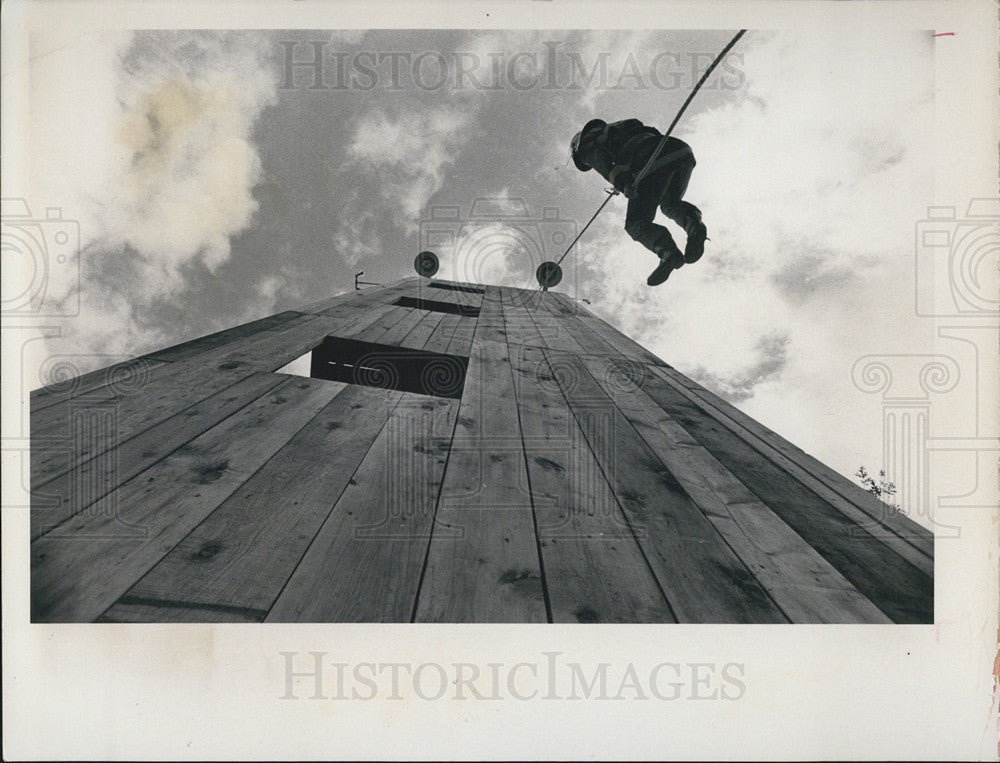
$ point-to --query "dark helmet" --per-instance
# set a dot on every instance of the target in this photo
(574, 145)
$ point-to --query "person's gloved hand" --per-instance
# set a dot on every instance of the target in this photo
(624, 181)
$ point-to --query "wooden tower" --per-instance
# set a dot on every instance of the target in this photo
(452, 453)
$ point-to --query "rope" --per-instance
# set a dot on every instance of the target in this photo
(663, 142)
(708, 71)
(611, 194)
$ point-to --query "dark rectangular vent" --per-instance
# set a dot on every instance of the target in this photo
(469, 289)
(389, 367)
(438, 307)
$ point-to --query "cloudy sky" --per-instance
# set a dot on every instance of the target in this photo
(213, 185)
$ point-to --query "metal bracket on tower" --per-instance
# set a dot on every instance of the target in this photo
(357, 283)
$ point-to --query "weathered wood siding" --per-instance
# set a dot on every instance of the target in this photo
(578, 479)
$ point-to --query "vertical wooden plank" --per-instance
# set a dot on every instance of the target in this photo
(188, 349)
(63, 436)
(462, 298)
(587, 545)
(269, 348)
(271, 353)
(65, 439)
(625, 345)
(548, 303)
(344, 299)
(890, 576)
(364, 564)
(462, 336)
(85, 485)
(482, 564)
(806, 587)
(567, 305)
(435, 283)
(242, 553)
(417, 338)
(397, 333)
(444, 332)
(370, 302)
(128, 372)
(701, 577)
(548, 324)
(490, 325)
(377, 330)
(892, 529)
(553, 333)
(591, 343)
(131, 609)
(266, 349)
(356, 298)
(809, 468)
(100, 384)
(77, 572)
(520, 327)
(353, 322)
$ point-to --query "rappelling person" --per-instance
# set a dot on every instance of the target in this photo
(619, 151)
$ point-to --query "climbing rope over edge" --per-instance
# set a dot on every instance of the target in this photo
(708, 71)
(643, 172)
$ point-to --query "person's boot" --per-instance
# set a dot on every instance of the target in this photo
(670, 259)
(695, 246)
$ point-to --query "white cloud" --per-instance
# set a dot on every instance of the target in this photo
(72, 84)
(810, 177)
(771, 359)
(496, 240)
(407, 153)
(272, 288)
(499, 253)
(357, 234)
(145, 138)
(609, 62)
(504, 204)
(183, 164)
(810, 180)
